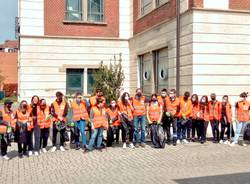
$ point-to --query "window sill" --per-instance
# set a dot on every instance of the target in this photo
(85, 22)
(154, 9)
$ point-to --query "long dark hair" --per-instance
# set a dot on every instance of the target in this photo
(123, 97)
(196, 102)
(203, 105)
(32, 103)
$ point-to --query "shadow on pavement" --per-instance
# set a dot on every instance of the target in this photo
(239, 178)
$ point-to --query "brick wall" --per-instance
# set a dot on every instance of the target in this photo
(163, 13)
(55, 13)
(239, 4)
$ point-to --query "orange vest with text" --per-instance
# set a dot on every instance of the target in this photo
(59, 110)
(79, 111)
(43, 119)
(126, 109)
(139, 106)
(228, 112)
(24, 118)
(154, 112)
(9, 118)
(99, 118)
(195, 111)
(173, 106)
(214, 110)
(204, 113)
(114, 114)
(243, 111)
(185, 108)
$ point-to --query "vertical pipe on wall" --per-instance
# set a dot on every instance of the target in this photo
(178, 47)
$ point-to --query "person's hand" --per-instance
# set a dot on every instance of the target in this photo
(168, 114)
(184, 116)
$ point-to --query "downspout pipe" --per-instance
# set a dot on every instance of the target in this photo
(178, 47)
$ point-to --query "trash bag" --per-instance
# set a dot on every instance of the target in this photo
(66, 136)
(157, 136)
(246, 135)
(110, 137)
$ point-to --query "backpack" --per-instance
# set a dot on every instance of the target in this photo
(246, 135)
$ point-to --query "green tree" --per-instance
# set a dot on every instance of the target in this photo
(109, 78)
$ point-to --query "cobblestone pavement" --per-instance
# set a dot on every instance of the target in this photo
(192, 163)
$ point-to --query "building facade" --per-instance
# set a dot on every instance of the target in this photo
(63, 42)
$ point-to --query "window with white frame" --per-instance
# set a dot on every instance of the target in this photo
(146, 6)
(160, 2)
(85, 10)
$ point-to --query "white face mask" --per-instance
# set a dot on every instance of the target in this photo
(223, 100)
(163, 94)
(193, 99)
(126, 98)
(113, 105)
(203, 100)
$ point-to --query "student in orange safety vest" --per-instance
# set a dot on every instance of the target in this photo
(225, 119)
(242, 109)
(7, 119)
(80, 118)
(126, 118)
(93, 99)
(114, 122)
(203, 115)
(24, 126)
(214, 116)
(99, 122)
(196, 123)
(154, 116)
(139, 114)
(59, 111)
(173, 109)
(44, 121)
(184, 121)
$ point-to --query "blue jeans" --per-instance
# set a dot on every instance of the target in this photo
(139, 120)
(97, 133)
(181, 130)
(81, 126)
(240, 127)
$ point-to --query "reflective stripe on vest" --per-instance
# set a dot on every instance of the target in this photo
(154, 112)
(42, 116)
(139, 107)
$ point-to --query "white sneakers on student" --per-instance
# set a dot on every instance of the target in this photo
(36, 153)
(5, 157)
(44, 150)
(178, 141)
(131, 145)
(124, 146)
(53, 149)
(30, 153)
(221, 142)
(62, 148)
(184, 141)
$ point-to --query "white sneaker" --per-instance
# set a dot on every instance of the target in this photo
(233, 144)
(221, 142)
(131, 145)
(244, 144)
(44, 150)
(178, 141)
(62, 148)
(36, 153)
(124, 145)
(5, 157)
(30, 153)
(184, 141)
(53, 149)
(226, 142)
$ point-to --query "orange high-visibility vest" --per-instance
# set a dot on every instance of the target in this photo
(154, 112)
(42, 116)
(185, 107)
(204, 113)
(79, 111)
(9, 118)
(126, 109)
(114, 114)
(173, 106)
(24, 118)
(243, 111)
(195, 111)
(139, 106)
(214, 110)
(228, 112)
(99, 119)
(161, 101)
(59, 110)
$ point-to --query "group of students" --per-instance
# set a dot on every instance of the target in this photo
(187, 116)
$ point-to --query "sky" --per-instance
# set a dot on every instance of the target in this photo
(8, 12)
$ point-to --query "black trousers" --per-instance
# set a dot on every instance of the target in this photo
(4, 147)
(215, 129)
(30, 140)
(55, 131)
(22, 148)
(44, 137)
(37, 136)
(127, 131)
(166, 123)
(226, 128)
